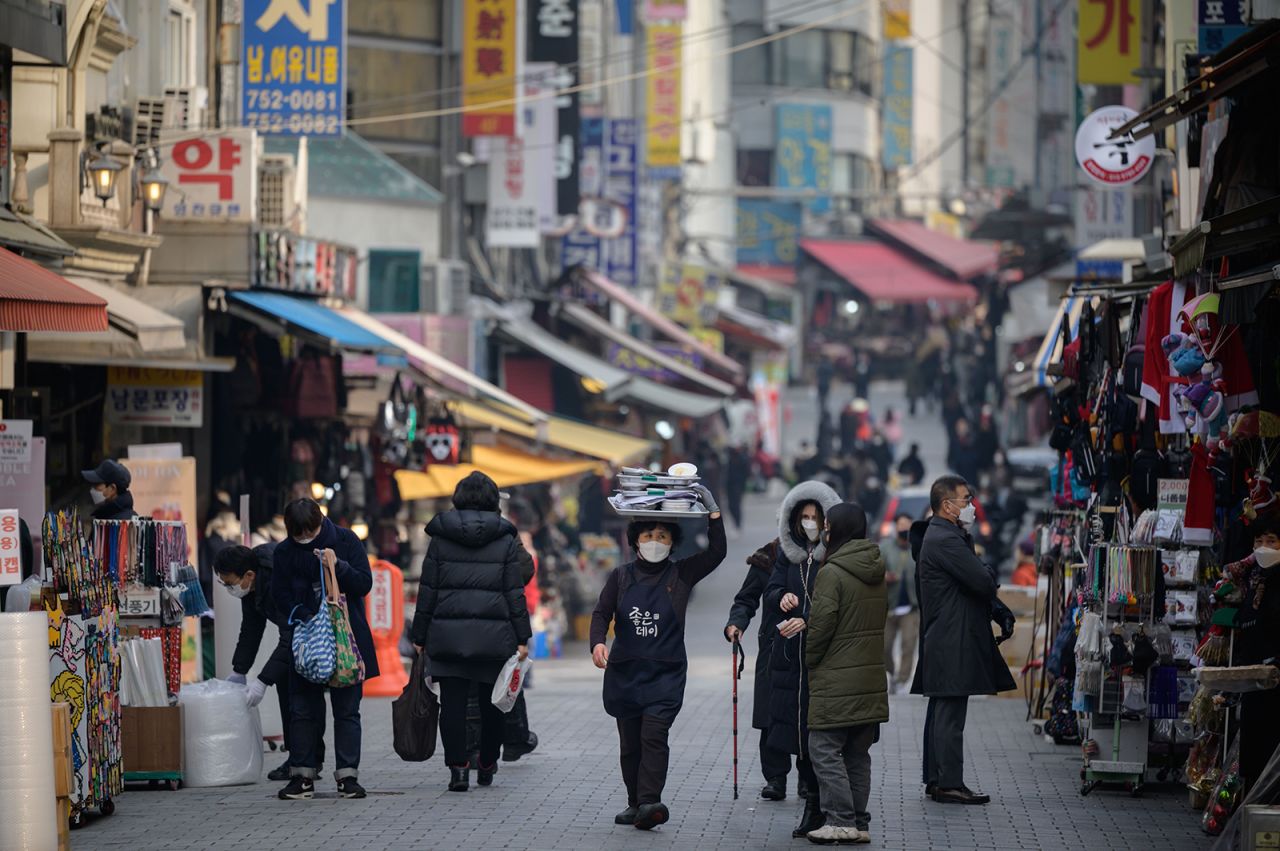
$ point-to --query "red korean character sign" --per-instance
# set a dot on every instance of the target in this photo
(489, 67)
(212, 176)
(10, 548)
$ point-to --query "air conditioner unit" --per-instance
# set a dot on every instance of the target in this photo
(277, 201)
(148, 119)
(186, 107)
(446, 286)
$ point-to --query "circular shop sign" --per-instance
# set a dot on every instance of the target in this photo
(1113, 162)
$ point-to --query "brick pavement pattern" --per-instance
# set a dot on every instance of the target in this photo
(564, 795)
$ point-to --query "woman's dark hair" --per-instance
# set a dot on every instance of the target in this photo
(301, 516)
(638, 527)
(1266, 523)
(793, 522)
(477, 492)
(235, 561)
(848, 522)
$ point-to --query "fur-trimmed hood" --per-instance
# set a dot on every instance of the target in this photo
(810, 491)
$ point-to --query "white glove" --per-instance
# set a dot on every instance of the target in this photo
(238, 679)
(254, 691)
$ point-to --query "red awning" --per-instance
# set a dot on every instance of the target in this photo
(961, 257)
(32, 298)
(660, 323)
(785, 275)
(882, 274)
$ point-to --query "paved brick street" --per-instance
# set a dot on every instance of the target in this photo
(564, 795)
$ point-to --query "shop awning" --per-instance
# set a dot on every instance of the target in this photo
(678, 402)
(591, 441)
(1050, 352)
(307, 318)
(155, 330)
(963, 258)
(114, 347)
(880, 273)
(584, 318)
(33, 298)
(1239, 230)
(658, 322)
(1240, 62)
(435, 362)
(506, 466)
(755, 330)
(782, 275)
(27, 234)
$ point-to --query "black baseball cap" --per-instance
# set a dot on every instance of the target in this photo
(109, 473)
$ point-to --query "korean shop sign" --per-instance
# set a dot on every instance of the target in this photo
(490, 66)
(1109, 42)
(1112, 162)
(155, 397)
(802, 159)
(294, 67)
(212, 176)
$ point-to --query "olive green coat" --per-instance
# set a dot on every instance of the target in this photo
(845, 643)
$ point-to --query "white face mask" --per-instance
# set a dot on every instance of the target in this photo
(654, 551)
(302, 542)
(97, 496)
(810, 528)
(239, 591)
(1266, 556)
(968, 515)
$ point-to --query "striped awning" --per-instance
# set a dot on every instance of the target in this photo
(1051, 347)
(33, 298)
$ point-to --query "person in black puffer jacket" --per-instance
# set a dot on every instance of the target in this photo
(471, 618)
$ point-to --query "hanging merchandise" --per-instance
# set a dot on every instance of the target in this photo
(444, 440)
(76, 571)
(1256, 436)
(1225, 795)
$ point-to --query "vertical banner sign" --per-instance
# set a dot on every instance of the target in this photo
(10, 548)
(665, 10)
(294, 67)
(897, 19)
(490, 67)
(895, 123)
(662, 137)
(1109, 41)
(768, 232)
(580, 247)
(620, 186)
(538, 133)
(1011, 123)
(512, 220)
(802, 159)
(553, 37)
(1220, 22)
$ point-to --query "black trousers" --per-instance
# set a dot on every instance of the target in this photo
(306, 745)
(944, 741)
(644, 756)
(1259, 732)
(454, 692)
(774, 764)
(804, 770)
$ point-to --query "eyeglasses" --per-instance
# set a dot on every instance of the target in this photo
(225, 584)
(966, 499)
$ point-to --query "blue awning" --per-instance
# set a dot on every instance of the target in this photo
(307, 318)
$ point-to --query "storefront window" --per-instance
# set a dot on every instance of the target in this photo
(750, 67)
(755, 168)
(802, 60)
(394, 281)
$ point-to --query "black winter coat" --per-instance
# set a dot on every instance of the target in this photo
(295, 582)
(255, 610)
(958, 652)
(740, 615)
(788, 674)
(471, 613)
(120, 508)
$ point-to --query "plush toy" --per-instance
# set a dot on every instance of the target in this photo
(1260, 494)
(1203, 404)
(1183, 351)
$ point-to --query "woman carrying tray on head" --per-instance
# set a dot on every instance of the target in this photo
(644, 671)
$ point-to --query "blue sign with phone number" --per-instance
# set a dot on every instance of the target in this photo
(294, 67)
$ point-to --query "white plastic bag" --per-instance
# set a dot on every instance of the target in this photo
(509, 683)
(221, 735)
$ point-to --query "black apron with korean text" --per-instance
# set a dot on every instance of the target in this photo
(647, 663)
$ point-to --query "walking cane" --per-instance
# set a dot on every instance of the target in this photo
(739, 663)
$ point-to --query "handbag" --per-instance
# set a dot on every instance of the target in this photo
(349, 667)
(415, 716)
(315, 652)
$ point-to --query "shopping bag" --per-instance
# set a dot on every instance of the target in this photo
(415, 716)
(509, 683)
(348, 666)
(315, 652)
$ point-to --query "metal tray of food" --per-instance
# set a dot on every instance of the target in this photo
(655, 514)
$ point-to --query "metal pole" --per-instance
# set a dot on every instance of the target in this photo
(964, 93)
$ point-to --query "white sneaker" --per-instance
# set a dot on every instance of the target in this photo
(833, 835)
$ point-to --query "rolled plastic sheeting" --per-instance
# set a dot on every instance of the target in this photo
(28, 810)
(222, 736)
(143, 680)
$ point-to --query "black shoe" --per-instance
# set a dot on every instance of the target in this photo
(775, 790)
(299, 789)
(511, 753)
(959, 796)
(929, 789)
(802, 789)
(281, 773)
(627, 816)
(349, 788)
(811, 819)
(649, 816)
(484, 776)
(459, 779)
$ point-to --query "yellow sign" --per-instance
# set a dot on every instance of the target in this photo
(897, 19)
(1109, 41)
(489, 60)
(142, 377)
(711, 337)
(662, 124)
